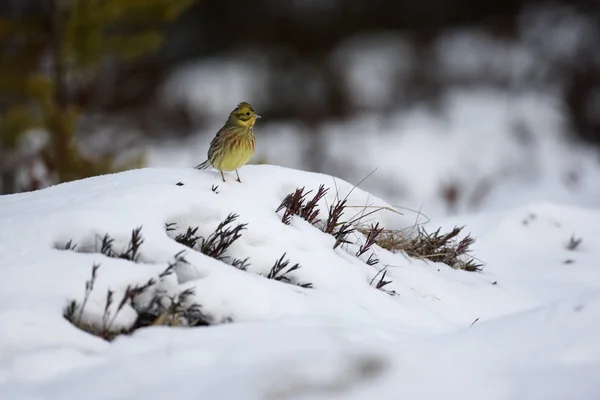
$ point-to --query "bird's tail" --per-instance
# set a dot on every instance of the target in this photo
(204, 165)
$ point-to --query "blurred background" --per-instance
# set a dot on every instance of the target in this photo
(448, 106)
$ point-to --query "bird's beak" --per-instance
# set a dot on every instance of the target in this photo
(257, 116)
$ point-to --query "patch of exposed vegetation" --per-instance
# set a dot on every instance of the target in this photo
(162, 309)
(217, 243)
(436, 246)
(281, 272)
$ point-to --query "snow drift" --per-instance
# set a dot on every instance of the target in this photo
(525, 327)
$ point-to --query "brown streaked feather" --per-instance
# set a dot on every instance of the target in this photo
(227, 143)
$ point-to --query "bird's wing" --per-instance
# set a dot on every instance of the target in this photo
(211, 148)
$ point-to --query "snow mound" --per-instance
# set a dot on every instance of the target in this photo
(525, 326)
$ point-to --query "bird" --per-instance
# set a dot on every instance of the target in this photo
(233, 145)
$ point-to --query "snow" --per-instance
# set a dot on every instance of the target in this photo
(525, 327)
(389, 57)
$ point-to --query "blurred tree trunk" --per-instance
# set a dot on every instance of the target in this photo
(8, 178)
(60, 134)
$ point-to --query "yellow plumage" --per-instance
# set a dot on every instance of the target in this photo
(233, 145)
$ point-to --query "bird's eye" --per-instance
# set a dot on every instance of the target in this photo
(248, 113)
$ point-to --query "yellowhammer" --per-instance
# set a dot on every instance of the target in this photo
(233, 146)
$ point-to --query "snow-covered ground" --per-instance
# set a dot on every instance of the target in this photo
(526, 327)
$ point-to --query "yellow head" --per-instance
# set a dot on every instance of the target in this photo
(243, 116)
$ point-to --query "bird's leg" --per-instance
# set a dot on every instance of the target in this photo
(222, 176)
(238, 175)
